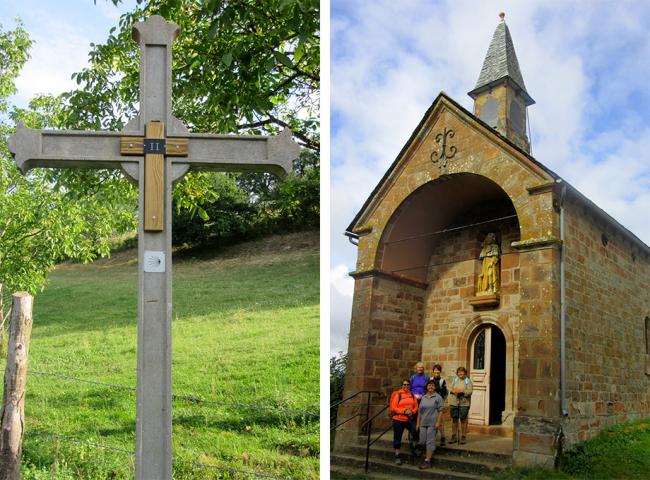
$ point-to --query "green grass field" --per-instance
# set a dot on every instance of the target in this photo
(245, 330)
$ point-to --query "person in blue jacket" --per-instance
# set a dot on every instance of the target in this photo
(419, 381)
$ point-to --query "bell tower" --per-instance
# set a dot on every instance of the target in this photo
(500, 96)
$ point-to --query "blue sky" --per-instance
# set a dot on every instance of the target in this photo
(586, 63)
(62, 32)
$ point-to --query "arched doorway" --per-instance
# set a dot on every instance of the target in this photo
(488, 374)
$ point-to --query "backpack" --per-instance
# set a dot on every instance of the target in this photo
(399, 399)
(465, 380)
(442, 387)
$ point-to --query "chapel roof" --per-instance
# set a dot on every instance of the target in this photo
(501, 64)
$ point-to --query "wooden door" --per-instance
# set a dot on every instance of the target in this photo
(479, 373)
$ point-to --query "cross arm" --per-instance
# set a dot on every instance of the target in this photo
(33, 148)
(241, 152)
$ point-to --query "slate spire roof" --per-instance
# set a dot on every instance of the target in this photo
(501, 63)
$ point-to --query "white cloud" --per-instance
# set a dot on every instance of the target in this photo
(57, 53)
(111, 12)
(62, 32)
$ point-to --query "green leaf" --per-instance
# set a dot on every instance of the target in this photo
(227, 59)
(299, 52)
(283, 59)
(284, 4)
(203, 214)
(214, 28)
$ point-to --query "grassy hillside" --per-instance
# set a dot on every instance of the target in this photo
(245, 330)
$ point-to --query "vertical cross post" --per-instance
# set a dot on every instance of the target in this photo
(154, 388)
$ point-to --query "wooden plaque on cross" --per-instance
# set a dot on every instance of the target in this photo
(154, 149)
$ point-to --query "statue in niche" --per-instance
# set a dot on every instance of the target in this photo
(488, 279)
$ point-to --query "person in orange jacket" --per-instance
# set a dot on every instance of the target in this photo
(403, 407)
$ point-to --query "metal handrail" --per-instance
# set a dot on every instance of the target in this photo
(345, 421)
(369, 443)
(336, 404)
(374, 416)
(367, 424)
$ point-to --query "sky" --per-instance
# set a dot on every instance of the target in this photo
(62, 31)
(586, 64)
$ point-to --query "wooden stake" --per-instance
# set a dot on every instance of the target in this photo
(12, 415)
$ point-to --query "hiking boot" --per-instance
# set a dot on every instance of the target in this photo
(454, 439)
(398, 460)
(463, 440)
(442, 441)
(425, 465)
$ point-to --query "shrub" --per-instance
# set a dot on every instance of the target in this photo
(233, 207)
(338, 364)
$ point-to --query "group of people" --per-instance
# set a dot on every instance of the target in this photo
(419, 404)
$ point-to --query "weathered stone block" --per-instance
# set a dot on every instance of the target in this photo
(536, 443)
(528, 368)
(523, 459)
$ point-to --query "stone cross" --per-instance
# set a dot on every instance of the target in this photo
(154, 150)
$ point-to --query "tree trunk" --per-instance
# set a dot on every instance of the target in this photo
(3, 317)
(12, 415)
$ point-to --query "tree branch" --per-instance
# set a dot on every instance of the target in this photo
(285, 82)
(306, 141)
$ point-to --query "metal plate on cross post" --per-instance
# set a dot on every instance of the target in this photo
(154, 145)
(154, 262)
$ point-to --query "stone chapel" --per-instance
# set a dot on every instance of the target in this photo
(557, 342)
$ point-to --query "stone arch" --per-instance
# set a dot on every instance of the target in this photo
(405, 244)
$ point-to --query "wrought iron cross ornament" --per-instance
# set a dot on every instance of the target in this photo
(444, 155)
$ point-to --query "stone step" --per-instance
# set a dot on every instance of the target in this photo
(494, 450)
(338, 472)
(494, 430)
(443, 458)
(380, 468)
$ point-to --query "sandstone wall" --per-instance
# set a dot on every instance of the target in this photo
(607, 299)
(385, 343)
(449, 319)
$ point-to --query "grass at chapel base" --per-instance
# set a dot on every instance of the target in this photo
(621, 452)
(245, 330)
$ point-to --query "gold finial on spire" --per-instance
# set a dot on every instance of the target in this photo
(502, 16)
